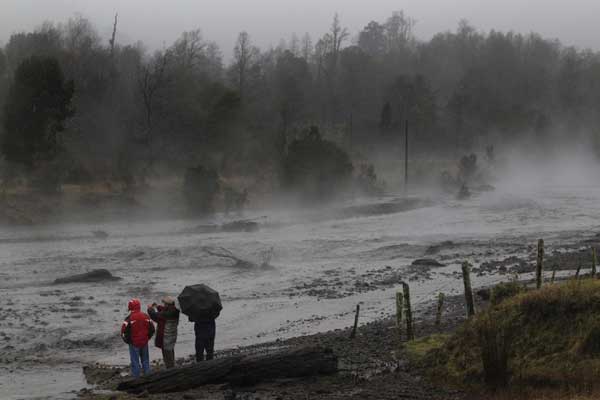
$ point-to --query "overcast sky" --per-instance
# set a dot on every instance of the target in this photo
(159, 22)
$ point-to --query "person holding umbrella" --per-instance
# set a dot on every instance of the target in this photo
(166, 317)
(205, 330)
(202, 305)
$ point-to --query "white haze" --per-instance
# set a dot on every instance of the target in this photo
(565, 160)
(158, 22)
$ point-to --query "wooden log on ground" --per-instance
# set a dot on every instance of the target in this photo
(238, 370)
(180, 379)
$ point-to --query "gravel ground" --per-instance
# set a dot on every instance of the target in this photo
(373, 365)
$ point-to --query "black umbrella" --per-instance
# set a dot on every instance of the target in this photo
(200, 302)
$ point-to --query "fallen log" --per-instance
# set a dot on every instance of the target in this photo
(238, 371)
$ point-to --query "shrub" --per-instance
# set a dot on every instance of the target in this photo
(367, 180)
(201, 186)
(316, 167)
(590, 343)
(467, 168)
(504, 291)
(542, 337)
(494, 342)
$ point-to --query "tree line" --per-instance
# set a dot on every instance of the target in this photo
(88, 109)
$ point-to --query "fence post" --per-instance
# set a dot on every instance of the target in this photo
(553, 273)
(466, 271)
(353, 334)
(539, 270)
(440, 306)
(399, 312)
(594, 262)
(410, 335)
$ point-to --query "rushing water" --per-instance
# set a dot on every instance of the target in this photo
(312, 283)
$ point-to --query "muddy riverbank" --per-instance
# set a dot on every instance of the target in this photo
(373, 365)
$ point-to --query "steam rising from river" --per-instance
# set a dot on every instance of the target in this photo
(323, 263)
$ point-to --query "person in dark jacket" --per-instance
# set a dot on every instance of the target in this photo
(167, 318)
(205, 330)
(136, 331)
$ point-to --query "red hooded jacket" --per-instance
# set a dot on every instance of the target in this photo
(137, 329)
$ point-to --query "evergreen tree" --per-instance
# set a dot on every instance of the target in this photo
(37, 107)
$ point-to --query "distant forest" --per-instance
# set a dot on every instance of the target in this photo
(120, 112)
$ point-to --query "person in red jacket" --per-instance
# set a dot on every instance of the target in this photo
(136, 331)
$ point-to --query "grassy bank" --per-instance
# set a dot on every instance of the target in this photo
(530, 344)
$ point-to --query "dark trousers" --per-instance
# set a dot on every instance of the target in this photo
(205, 339)
(169, 358)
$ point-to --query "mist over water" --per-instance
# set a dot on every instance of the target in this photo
(320, 261)
(110, 149)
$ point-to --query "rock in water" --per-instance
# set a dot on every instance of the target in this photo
(436, 248)
(97, 275)
(240, 226)
(100, 234)
(464, 193)
(428, 262)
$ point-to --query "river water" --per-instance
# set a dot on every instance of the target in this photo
(322, 264)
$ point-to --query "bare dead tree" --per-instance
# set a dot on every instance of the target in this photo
(330, 46)
(399, 30)
(338, 35)
(189, 49)
(151, 78)
(294, 46)
(244, 54)
(306, 47)
(113, 36)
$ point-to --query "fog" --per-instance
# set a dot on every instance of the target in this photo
(187, 151)
(158, 23)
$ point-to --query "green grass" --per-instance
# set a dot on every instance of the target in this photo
(551, 336)
(504, 291)
(417, 350)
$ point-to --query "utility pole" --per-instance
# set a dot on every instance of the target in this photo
(406, 155)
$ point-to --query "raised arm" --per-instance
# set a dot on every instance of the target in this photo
(153, 313)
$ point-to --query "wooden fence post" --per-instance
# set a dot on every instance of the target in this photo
(410, 335)
(594, 262)
(353, 334)
(399, 312)
(553, 273)
(539, 270)
(440, 306)
(466, 271)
